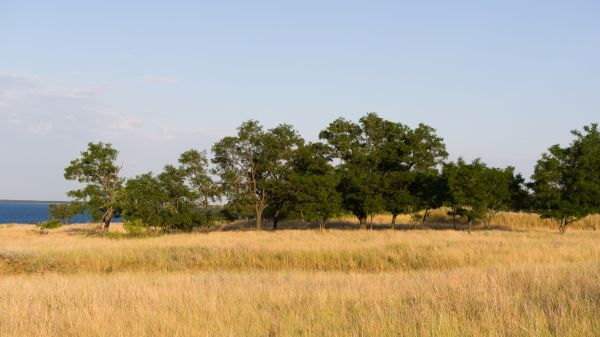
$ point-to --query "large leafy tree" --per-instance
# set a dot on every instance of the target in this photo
(409, 161)
(98, 170)
(476, 191)
(314, 182)
(194, 164)
(352, 145)
(566, 180)
(178, 198)
(252, 165)
(165, 201)
(380, 161)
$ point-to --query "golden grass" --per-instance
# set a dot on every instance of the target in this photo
(68, 251)
(528, 282)
(505, 220)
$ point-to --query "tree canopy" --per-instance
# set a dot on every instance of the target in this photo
(252, 165)
(566, 180)
(366, 167)
(98, 170)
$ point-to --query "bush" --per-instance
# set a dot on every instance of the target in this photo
(50, 224)
(134, 227)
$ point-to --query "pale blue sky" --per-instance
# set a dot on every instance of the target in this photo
(499, 80)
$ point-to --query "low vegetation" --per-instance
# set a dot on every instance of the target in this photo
(415, 281)
(363, 169)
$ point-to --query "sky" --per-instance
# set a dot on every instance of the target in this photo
(499, 80)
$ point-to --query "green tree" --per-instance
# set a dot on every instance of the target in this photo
(409, 161)
(64, 211)
(352, 145)
(195, 166)
(165, 201)
(252, 165)
(520, 197)
(477, 191)
(144, 199)
(566, 180)
(379, 162)
(98, 170)
(430, 191)
(314, 182)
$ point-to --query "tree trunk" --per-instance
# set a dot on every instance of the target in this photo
(371, 222)
(470, 225)
(362, 221)
(275, 221)
(259, 212)
(107, 218)
(488, 219)
(322, 224)
(302, 217)
(562, 226)
(425, 216)
(394, 216)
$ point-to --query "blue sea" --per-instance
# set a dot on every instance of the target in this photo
(23, 212)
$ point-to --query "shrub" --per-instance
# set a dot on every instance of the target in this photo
(50, 224)
(135, 227)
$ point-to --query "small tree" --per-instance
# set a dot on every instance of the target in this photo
(314, 182)
(165, 201)
(566, 180)
(97, 169)
(64, 211)
(520, 196)
(47, 225)
(195, 166)
(430, 191)
(461, 186)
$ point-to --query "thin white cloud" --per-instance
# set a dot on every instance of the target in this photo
(121, 122)
(159, 80)
(34, 106)
(48, 124)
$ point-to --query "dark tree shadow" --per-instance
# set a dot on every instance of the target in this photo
(350, 226)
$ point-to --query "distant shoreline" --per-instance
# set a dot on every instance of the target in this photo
(32, 201)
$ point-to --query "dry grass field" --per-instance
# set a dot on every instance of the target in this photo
(420, 280)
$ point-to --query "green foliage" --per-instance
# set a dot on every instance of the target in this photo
(566, 180)
(520, 197)
(362, 168)
(195, 166)
(476, 191)
(135, 228)
(50, 224)
(352, 144)
(164, 201)
(64, 211)
(380, 161)
(314, 183)
(98, 171)
(430, 191)
(253, 167)
(176, 199)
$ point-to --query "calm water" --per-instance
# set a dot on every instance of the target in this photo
(27, 213)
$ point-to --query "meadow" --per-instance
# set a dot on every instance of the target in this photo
(419, 280)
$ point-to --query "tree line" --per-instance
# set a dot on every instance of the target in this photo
(365, 168)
